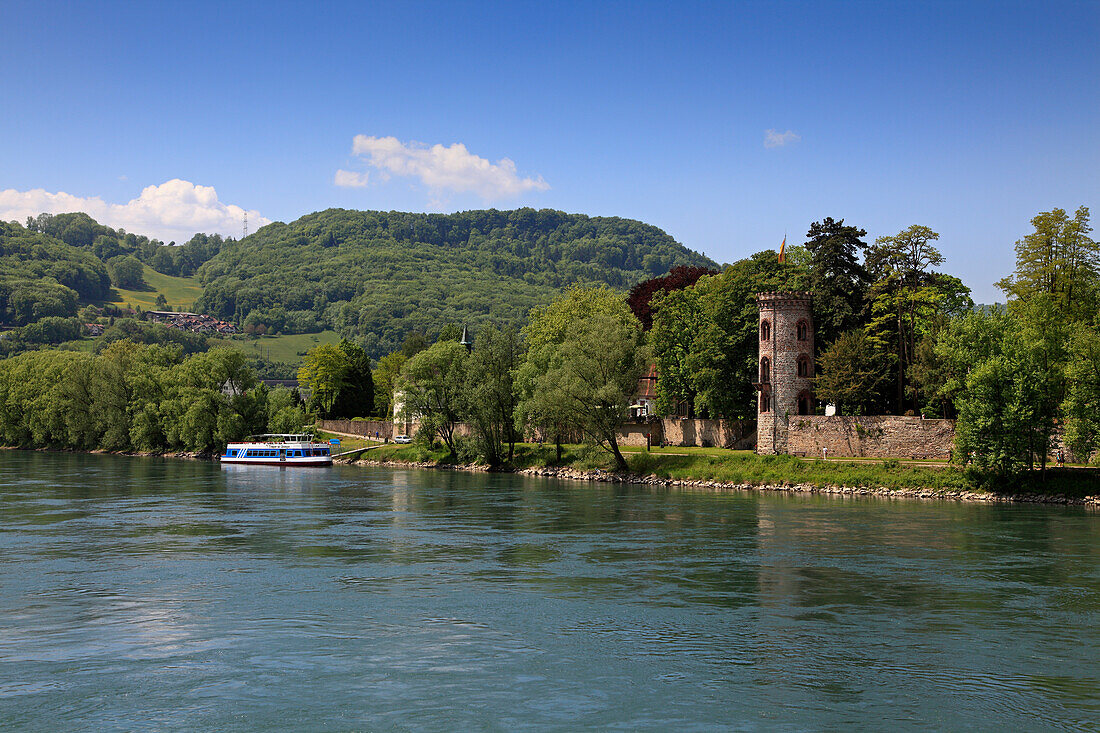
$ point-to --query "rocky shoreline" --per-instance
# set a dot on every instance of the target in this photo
(598, 476)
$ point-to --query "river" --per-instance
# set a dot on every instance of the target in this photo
(162, 594)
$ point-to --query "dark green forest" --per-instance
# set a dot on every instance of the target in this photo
(41, 276)
(378, 276)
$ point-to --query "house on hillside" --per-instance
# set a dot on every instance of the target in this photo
(644, 403)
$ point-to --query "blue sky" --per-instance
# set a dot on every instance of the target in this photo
(968, 118)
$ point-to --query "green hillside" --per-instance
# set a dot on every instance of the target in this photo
(285, 349)
(180, 292)
(379, 276)
(41, 276)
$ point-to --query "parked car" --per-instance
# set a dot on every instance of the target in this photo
(402, 439)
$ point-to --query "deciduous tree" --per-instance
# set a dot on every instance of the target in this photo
(585, 356)
(1059, 259)
(491, 398)
(434, 383)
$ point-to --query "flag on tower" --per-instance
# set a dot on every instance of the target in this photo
(781, 248)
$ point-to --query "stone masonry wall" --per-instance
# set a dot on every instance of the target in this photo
(704, 433)
(717, 433)
(386, 429)
(736, 434)
(359, 427)
(878, 436)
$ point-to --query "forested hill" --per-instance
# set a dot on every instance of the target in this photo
(41, 276)
(379, 276)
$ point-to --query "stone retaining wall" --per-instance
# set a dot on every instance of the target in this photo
(720, 433)
(876, 436)
(384, 428)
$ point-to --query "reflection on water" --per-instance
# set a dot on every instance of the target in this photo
(164, 594)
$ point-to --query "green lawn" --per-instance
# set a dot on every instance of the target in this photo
(180, 292)
(286, 349)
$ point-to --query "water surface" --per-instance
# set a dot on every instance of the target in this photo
(154, 594)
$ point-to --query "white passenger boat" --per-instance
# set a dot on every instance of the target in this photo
(279, 449)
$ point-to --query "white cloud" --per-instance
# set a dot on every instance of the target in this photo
(776, 139)
(174, 210)
(350, 179)
(452, 168)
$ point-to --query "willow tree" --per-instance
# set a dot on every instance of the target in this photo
(585, 356)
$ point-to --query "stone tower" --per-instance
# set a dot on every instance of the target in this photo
(785, 364)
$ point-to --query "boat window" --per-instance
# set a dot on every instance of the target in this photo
(324, 451)
(297, 453)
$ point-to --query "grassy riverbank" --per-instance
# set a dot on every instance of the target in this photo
(745, 467)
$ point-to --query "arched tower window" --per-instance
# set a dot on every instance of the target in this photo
(804, 366)
(765, 331)
(802, 330)
(805, 403)
(765, 370)
(765, 402)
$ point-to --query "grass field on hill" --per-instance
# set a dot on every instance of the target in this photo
(286, 349)
(180, 292)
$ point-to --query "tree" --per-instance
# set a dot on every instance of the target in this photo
(1058, 259)
(450, 332)
(678, 278)
(1008, 405)
(1082, 404)
(546, 327)
(161, 302)
(106, 247)
(903, 295)
(127, 272)
(838, 281)
(215, 399)
(492, 399)
(705, 337)
(678, 324)
(385, 378)
(586, 352)
(286, 414)
(355, 397)
(324, 371)
(413, 344)
(853, 374)
(434, 385)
